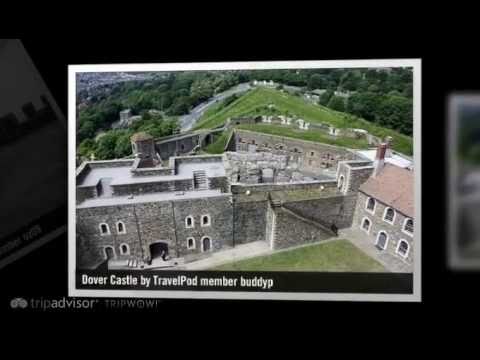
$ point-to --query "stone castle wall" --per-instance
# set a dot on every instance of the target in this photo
(250, 220)
(153, 187)
(175, 146)
(310, 185)
(148, 223)
(86, 192)
(220, 229)
(311, 156)
(338, 210)
(352, 174)
(293, 231)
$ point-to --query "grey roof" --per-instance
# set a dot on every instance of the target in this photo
(122, 175)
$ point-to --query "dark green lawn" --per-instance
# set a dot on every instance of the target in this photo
(334, 256)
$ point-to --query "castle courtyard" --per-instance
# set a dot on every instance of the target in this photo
(267, 203)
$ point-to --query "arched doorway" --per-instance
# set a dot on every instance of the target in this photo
(159, 249)
(109, 253)
(206, 244)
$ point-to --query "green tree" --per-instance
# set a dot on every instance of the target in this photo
(86, 148)
(336, 103)
(123, 146)
(86, 131)
(364, 105)
(325, 97)
(315, 82)
(396, 112)
(351, 80)
(106, 146)
(180, 106)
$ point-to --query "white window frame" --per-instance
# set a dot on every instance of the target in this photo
(186, 222)
(405, 223)
(101, 231)
(386, 241)
(369, 226)
(126, 252)
(374, 205)
(209, 222)
(398, 248)
(105, 251)
(124, 227)
(201, 243)
(385, 213)
(194, 243)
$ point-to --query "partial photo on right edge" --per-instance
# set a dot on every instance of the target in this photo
(464, 180)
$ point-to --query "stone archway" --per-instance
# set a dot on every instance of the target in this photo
(158, 250)
(109, 253)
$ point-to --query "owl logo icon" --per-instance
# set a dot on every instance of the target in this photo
(18, 303)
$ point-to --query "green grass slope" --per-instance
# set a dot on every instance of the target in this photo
(338, 255)
(218, 146)
(310, 135)
(257, 101)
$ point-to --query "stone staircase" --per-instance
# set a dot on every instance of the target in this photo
(200, 180)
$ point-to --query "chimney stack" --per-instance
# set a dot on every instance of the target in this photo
(379, 162)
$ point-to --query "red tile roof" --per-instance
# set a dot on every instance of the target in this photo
(394, 187)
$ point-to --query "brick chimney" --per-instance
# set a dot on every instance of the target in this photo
(379, 162)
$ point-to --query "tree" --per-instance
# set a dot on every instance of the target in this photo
(106, 146)
(87, 130)
(325, 97)
(315, 82)
(350, 80)
(336, 103)
(123, 146)
(86, 148)
(396, 112)
(180, 106)
(364, 105)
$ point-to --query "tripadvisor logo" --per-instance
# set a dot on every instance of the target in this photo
(18, 303)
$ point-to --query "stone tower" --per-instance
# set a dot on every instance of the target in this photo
(143, 147)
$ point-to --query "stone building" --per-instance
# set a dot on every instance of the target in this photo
(311, 156)
(147, 213)
(384, 214)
